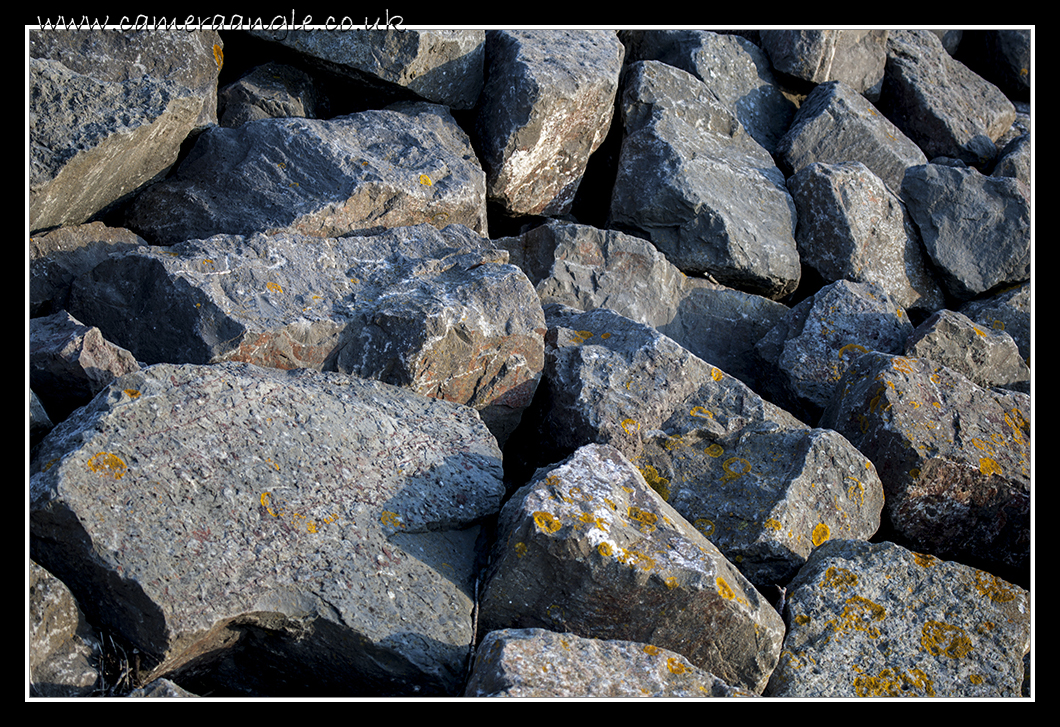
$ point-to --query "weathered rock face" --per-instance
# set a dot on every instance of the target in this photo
(273, 90)
(877, 620)
(855, 57)
(438, 312)
(406, 165)
(954, 459)
(108, 113)
(541, 114)
(705, 193)
(61, 643)
(588, 547)
(317, 519)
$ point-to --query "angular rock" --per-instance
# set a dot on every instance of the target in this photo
(585, 268)
(318, 522)
(877, 620)
(976, 229)
(274, 90)
(954, 458)
(587, 547)
(404, 165)
(540, 664)
(609, 380)
(61, 644)
(855, 57)
(693, 182)
(436, 311)
(1008, 311)
(835, 124)
(39, 421)
(1014, 160)
(986, 356)
(160, 689)
(939, 103)
(70, 362)
(853, 227)
(546, 106)
(736, 70)
(768, 498)
(108, 112)
(810, 349)
(59, 256)
(440, 66)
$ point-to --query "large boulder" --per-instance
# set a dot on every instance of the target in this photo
(855, 57)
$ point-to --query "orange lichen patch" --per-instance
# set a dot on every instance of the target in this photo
(585, 335)
(675, 666)
(839, 578)
(520, 549)
(943, 639)
(108, 464)
(132, 393)
(993, 587)
(724, 589)
(274, 287)
(716, 374)
(218, 56)
(589, 519)
(698, 411)
(856, 491)
(630, 424)
(735, 467)
(802, 619)
(671, 583)
(651, 649)
(975, 679)
(425, 180)
(704, 526)
(773, 524)
(852, 348)
(391, 519)
(605, 549)
(894, 683)
(714, 450)
(660, 484)
(924, 560)
(646, 520)
(859, 614)
(820, 534)
(988, 466)
(635, 558)
(902, 364)
(546, 523)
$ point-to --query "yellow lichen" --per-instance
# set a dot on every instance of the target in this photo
(993, 587)
(660, 484)
(724, 589)
(675, 666)
(391, 518)
(218, 56)
(704, 526)
(108, 464)
(893, 683)
(644, 518)
(924, 560)
(820, 534)
(839, 578)
(425, 180)
(943, 639)
(545, 522)
(988, 466)
(714, 450)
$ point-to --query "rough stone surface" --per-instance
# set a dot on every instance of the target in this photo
(108, 113)
(877, 620)
(319, 521)
(509, 664)
(987, 356)
(61, 644)
(436, 311)
(810, 349)
(160, 689)
(273, 90)
(768, 498)
(404, 165)
(939, 103)
(542, 114)
(954, 458)
(855, 57)
(853, 227)
(976, 229)
(835, 124)
(1008, 310)
(588, 547)
(441, 66)
(691, 180)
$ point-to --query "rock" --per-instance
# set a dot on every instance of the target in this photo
(769, 497)
(807, 352)
(877, 620)
(543, 113)
(1014, 160)
(440, 66)
(160, 688)
(954, 458)
(855, 57)
(406, 165)
(69, 362)
(108, 113)
(692, 181)
(835, 124)
(1008, 310)
(585, 268)
(274, 90)
(976, 229)
(587, 547)
(319, 522)
(62, 647)
(39, 421)
(939, 103)
(59, 256)
(986, 356)
(736, 70)
(853, 227)
(535, 663)
(436, 311)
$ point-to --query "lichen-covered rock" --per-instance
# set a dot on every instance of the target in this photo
(588, 547)
(954, 458)
(535, 663)
(877, 620)
(543, 112)
(768, 498)
(1008, 310)
(320, 521)
(436, 311)
(61, 645)
(692, 180)
(408, 164)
